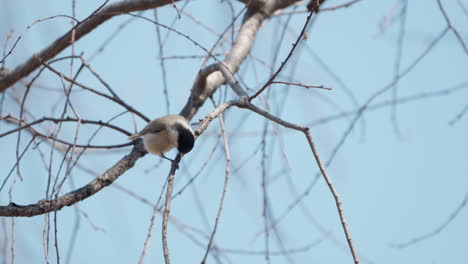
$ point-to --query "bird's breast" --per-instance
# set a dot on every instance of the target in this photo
(158, 143)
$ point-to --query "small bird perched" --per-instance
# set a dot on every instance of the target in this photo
(165, 133)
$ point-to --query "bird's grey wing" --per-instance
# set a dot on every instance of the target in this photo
(152, 127)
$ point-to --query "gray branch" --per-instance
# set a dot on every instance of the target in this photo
(10, 77)
(105, 179)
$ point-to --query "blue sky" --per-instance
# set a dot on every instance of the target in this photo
(393, 187)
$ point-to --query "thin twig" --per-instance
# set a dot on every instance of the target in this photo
(437, 230)
(272, 78)
(116, 100)
(161, 61)
(452, 28)
(56, 239)
(13, 238)
(323, 9)
(27, 29)
(226, 179)
(167, 207)
(57, 120)
(459, 116)
(303, 85)
(150, 229)
(397, 66)
(202, 168)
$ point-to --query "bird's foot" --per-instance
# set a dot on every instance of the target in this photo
(173, 162)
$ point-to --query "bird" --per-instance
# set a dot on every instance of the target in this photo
(165, 133)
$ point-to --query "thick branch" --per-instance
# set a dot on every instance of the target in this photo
(81, 29)
(43, 207)
(210, 78)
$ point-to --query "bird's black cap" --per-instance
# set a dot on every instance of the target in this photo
(186, 139)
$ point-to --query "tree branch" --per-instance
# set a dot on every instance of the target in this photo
(82, 28)
(43, 207)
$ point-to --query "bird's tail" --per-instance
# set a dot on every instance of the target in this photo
(134, 136)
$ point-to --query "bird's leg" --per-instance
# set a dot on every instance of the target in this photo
(171, 160)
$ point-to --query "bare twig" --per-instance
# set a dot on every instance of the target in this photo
(167, 207)
(331, 8)
(57, 120)
(323, 9)
(452, 28)
(459, 116)
(5, 56)
(150, 229)
(88, 219)
(465, 10)
(437, 230)
(16, 163)
(98, 17)
(5, 46)
(272, 78)
(274, 253)
(161, 61)
(56, 238)
(397, 66)
(112, 98)
(386, 103)
(4, 242)
(181, 57)
(13, 238)
(202, 168)
(226, 179)
(303, 85)
(45, 237)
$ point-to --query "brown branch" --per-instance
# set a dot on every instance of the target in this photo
(209, 78)
(105, 179)
(81, 29)
(34, 132)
